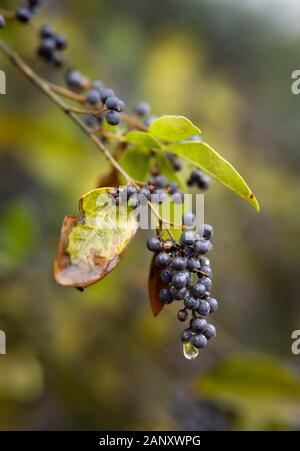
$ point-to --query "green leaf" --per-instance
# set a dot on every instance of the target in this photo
(259, 387)
(144, 139)
(205, 157)
(92, 245)
(173, 128)
(136, 162)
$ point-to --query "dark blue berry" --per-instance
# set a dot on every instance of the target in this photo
(203, 308)
(179, 263)
(206, 281)
(159, 196)
(193, 264)
(93, 97)
(113, 117)
(206, 270)
(130, 190)
(97, 84)
(160, 181)
(61, 42)
(166, 275)
(105, 93)
(178, 197)
(198, 290)
(199, 325)
(113, 103)
(199, 341)
(172, 187)
(91, 121)
(23, 14)
(153, 244)
(46, 48)
(165, 296)
(2, 21)
(201, 247)
(187, 238)
(142, 108)
(191, 303)
(186, 335)
(179, 280)
(74, 79)
(162, 260)
(206, 231)
(144, 192)
(189, 219)
(213, 304)
(180, 294)
(210, 331)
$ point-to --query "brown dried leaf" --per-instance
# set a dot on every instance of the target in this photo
(155, 284)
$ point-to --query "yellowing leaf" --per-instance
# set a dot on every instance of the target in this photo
(205, 157)
(92, 245)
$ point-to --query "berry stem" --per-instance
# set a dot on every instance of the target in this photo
(131, 120)
(67, 93)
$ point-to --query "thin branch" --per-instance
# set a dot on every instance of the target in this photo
(67, 93)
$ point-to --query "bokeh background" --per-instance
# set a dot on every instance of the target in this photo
(98, 359)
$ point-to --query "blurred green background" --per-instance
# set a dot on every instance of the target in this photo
(98, 359)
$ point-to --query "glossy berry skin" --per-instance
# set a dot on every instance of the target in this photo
(23, 14)
(182, 315)
(206, 281)
(142, 108)
(165, 296)
(189, 219)
(203, 308)
(199, 325)
(179, 263)
(166, 275)
(179, 294)
(113, 103)
(186, 335)
(179, 280)
(191, 303)
(2, 22)
(193, 264)
(199, 341)
(131, 190)
(113, 118)
(201, 247)
(206, 231)
(213, 304)
(206, 270)
(93, 97)
(198, 290)
(162, 260)
(61, 42)
(187, 238)
(153, 244)
(210, 331)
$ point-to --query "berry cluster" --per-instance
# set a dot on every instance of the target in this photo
(186, 271)
(199, 179)
(27, 10)
(51, 45)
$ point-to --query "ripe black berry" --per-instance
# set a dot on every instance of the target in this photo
(199, 325)
(198, 290)
(46, 31)
(179, 263)
(179, 280)
(23, 14)
(187, 238)
(213, 304)
(105, 93)
(206, 231)
(142, 108)
(191, 303)
(93, 97)
(193, 264)
(203, 308)
(160, 181)
(46, 48)
(166, 275)
(210, 331)
(186, 335)
(75, 80)
(206, 281)
(201, 247)
(113, 117)
(153, 244)
(61, 42)
(189, 219)
(113, 103)
(180, 294)
(144, 192)
(165, 296)
(162, 260)
(199, 341)
(178, 197)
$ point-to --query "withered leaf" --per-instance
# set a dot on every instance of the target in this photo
(92, 245)
(155, 284)
(109, 179)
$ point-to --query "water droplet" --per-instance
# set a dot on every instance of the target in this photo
(189, 351)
